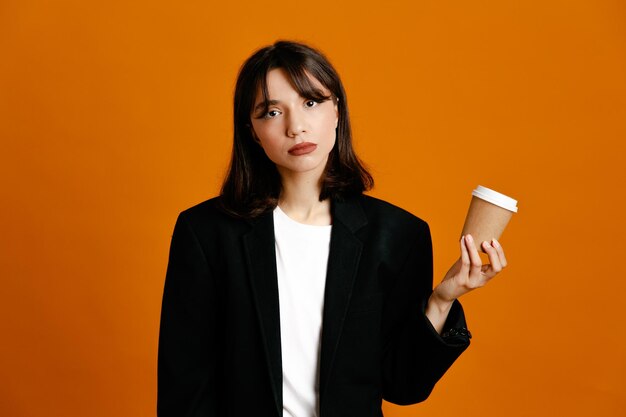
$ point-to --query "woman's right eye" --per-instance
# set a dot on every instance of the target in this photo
(271, 114)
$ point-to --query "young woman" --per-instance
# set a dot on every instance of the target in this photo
(292, 293)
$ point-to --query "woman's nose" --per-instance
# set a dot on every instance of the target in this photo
(296, 124)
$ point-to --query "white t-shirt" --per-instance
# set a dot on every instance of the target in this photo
(301, 261)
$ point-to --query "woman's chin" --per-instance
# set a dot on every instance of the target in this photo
(302, 167)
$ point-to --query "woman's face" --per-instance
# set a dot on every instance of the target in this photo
(296, 133)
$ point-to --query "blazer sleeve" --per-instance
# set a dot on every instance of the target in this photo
(187, 353)
(415, 355)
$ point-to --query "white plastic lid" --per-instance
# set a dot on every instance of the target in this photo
(496, 198)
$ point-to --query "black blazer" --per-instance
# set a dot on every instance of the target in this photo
(219, 343)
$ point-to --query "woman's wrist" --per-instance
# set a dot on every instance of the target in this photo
(437, 311)
(441, 304)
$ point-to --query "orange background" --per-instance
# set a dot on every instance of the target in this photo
(115, 116)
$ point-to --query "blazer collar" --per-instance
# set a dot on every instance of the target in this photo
(343, 260)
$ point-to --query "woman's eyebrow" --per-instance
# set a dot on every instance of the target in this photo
(262, 104)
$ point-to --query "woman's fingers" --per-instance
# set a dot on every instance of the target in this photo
(494, 259)
(465, 259)
(476, 262)
(472, 273)
(500, 251)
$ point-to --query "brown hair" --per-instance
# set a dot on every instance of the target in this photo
(252, 184)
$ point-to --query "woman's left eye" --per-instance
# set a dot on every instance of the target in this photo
(311, 103)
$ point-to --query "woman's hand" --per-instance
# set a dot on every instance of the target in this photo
(465, 275)
(468, 272)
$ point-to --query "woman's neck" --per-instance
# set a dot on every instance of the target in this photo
(299, 199)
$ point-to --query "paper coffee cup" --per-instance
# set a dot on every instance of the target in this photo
(488, 215)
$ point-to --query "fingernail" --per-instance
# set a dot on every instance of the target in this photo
(468, 238)
(495, 243)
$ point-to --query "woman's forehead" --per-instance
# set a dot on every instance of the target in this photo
(280, 79)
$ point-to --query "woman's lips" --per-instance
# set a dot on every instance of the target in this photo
(302, 148)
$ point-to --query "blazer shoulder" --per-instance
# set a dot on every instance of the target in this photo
(204, 208)
(390, 214)
(209, 214)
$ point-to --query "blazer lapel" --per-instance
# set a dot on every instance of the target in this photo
(260, 250)
(343, 262)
